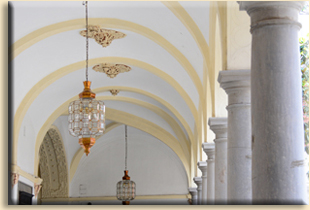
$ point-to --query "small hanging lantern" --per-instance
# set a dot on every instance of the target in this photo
(86, 115)
(86, 118)
(126, 189)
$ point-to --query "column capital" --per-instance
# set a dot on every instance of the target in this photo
(266, 13)
(209, 149)
(203, 166)
(219, 126)
(193, 190)
(37, 188)
(198, 182)
(251, 6)
(15, 168)
(234, 79)
(221, 140)
(194, 193)
(15, 178)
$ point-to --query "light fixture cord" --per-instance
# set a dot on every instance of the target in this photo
(86, 17)
(126, 147)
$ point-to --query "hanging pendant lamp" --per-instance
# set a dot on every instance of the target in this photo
(86, 115)
(126, 189)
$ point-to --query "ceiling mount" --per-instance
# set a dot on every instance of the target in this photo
(104, 37)
(111, 69)
(114, 92)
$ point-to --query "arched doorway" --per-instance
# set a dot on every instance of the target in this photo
(53, 166)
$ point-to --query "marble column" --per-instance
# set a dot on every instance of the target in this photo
(219, 126)
(14, 191)
(209, 149)
(203, 166)
(198, 182)
(236, 84)
(193, 192)
(277, 116)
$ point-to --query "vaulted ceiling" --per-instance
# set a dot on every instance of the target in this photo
(166, 46)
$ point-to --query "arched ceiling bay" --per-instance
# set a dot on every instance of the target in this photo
(49, 56)
(166, 60)
(149, 98)
(124, 118)
(153, 15)
(152, 102)
(137, 78)
(144, 151)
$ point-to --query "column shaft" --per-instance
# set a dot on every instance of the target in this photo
(219, 126)
(221, 171)
(14, 191)
(203, 166)
(209, 149)
(198, 182)
(14, 195)
(277, 129)
(236, 83)
(210, 191)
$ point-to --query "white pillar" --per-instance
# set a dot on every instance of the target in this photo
(198, 182)
(36, 190)
(277, 135)
(219, 126)
(209, 149)
(14, 191)
(236, 83)
(193, 192)
(34, 200)
(203, 166)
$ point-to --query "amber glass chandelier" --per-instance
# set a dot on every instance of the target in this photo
(126, 189)
(86, 115)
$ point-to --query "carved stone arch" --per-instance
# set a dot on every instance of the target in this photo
(53, 166)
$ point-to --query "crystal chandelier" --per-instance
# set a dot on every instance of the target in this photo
(126, 189)
(86, 115)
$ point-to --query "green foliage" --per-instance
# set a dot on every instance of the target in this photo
(304, 58)
(305, 9)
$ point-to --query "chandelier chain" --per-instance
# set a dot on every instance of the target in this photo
(125, 147)
(86, 17)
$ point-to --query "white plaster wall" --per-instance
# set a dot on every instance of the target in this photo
(25, 148)
(221, 101)
(141, 112)
(239, 38)
(220, 96)
(204, 156)
(154, 167)
(199, 12)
